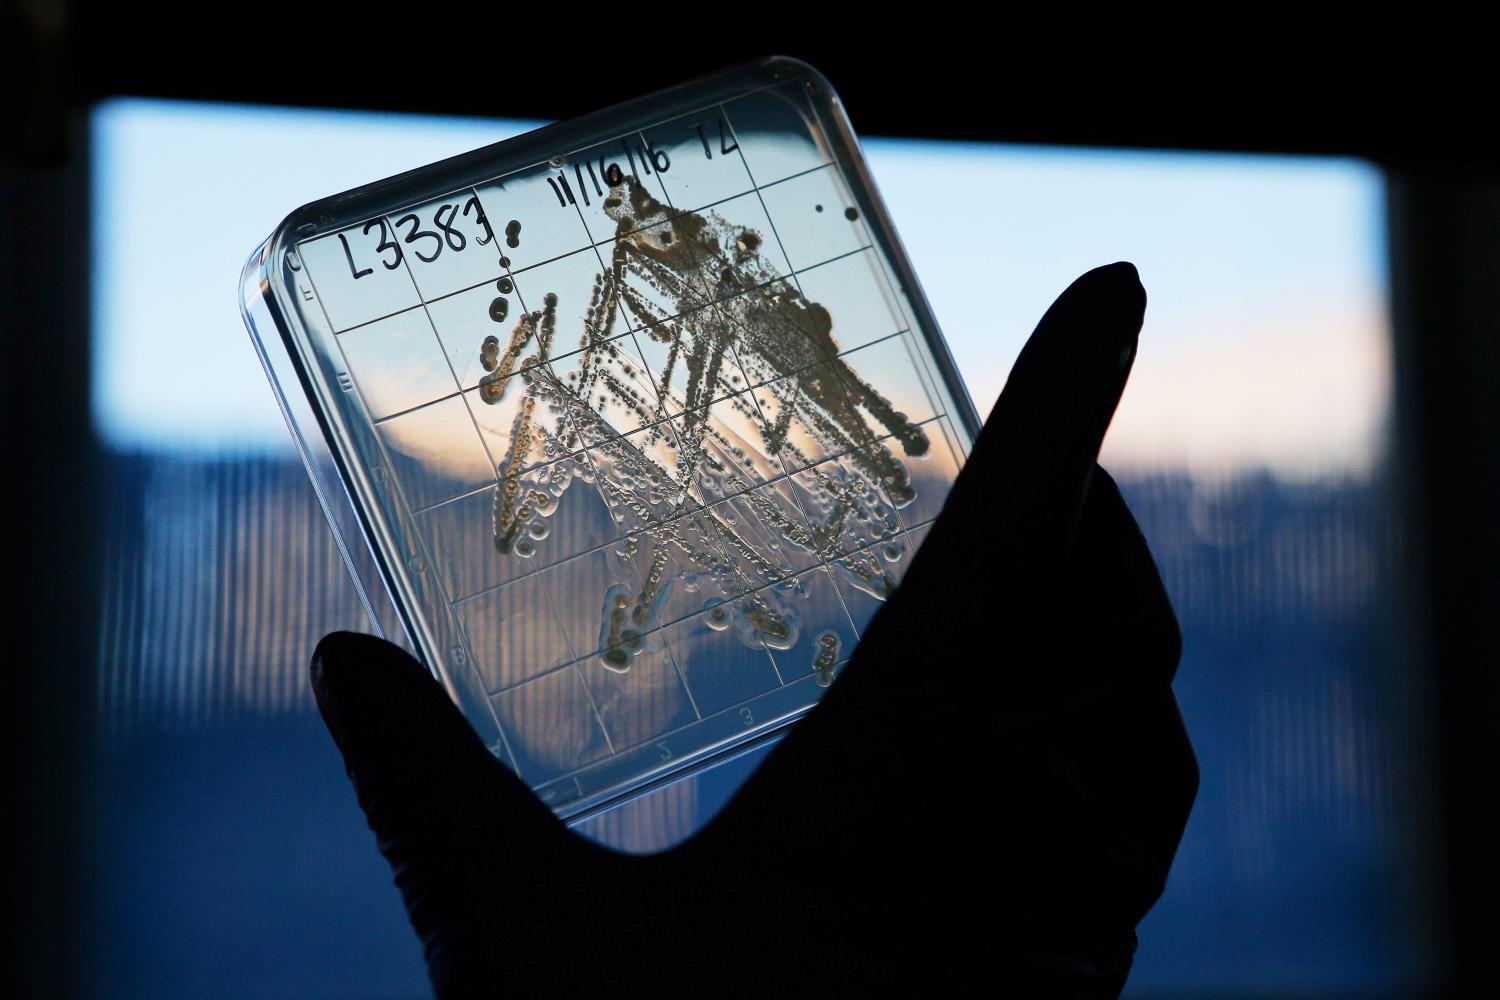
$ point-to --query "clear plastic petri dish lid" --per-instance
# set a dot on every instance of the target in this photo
(627, 426)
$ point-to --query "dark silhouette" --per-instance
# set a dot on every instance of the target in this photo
(987, 799)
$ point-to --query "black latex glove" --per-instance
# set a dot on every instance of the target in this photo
(987, 799)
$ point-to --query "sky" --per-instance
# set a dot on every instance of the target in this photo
(1266, 344)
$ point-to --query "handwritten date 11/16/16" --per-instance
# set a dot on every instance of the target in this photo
(639, 159)
(427, 244)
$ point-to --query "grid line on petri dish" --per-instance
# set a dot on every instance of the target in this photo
(377, 421)
(368, 322)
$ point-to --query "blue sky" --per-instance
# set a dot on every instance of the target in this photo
(1266, 342)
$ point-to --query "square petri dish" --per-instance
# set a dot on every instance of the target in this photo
(628, 426)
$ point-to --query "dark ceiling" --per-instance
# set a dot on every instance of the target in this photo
(1248, 83)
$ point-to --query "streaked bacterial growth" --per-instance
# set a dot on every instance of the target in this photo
(707, 401)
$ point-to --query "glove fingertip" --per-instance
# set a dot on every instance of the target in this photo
(363, 680)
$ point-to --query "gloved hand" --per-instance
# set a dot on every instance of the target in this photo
(986, 800)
